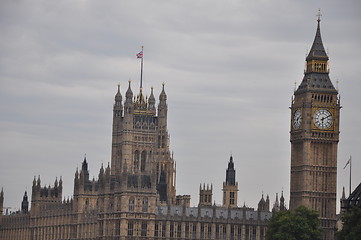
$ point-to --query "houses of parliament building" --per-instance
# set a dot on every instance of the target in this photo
(135, 196)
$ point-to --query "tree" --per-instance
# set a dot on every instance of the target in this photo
(351, 228)
(300, 224)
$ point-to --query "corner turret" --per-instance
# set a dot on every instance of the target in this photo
(118, 106)
(151, 101)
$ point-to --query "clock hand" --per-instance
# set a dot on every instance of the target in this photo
(322, 119)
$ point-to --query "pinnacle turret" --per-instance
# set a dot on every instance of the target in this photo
(129, 94)
(163, 95)
(118, 96)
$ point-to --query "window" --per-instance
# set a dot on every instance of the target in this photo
(143, 161)
(145, 205)
(202, 230)
(171, 233)
(254, 233)
(163, 230)
(194, 232)
(179, 230)
(117, 227)
(217, 231)
(224, 232)
(156, 230)
(187, 231)
(144, 229)
(136, 160)
(231, 198)
(130, 228)
(209, 231)
(131, 204)
(239, 231)
(232, 233)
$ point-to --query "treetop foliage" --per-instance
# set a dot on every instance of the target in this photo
(300, 224)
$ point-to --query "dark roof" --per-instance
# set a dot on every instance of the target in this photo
(354, 200)
(317, 51)
(317, 82)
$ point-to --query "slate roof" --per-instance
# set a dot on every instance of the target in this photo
(354, 200)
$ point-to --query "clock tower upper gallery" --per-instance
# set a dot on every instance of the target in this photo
(314, 136)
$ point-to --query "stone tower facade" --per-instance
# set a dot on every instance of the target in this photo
(230, 186)
(205, 195)
(140, 145)
(314, 136)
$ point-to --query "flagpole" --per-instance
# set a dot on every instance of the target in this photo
(350, 174)
(141, 71)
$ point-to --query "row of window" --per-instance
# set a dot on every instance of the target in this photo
(132, 204)
(322, 98)
(206, 231)
(142, 158)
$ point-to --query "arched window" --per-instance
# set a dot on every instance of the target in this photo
(87, 203)
(131, 204)
(143, 161)
(136, 160)
(145, 205)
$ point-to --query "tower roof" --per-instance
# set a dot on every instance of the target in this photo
(317, 51)
(316, 76)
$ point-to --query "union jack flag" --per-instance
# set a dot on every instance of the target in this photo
(140, 54)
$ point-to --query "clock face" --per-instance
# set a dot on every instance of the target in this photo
(297, 119)
(322, 119)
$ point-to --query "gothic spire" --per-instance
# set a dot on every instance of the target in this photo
(231, 173)
(317, 51)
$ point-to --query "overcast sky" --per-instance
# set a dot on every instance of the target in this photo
(229, 66)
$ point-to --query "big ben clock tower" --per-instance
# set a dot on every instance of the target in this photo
(315, 114)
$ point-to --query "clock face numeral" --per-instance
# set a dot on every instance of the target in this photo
(322, 119)
(297, 119)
